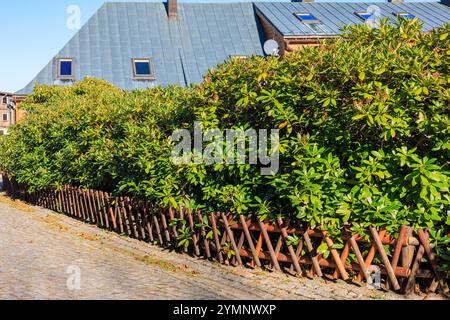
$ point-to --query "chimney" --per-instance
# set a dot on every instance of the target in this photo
(172, 9)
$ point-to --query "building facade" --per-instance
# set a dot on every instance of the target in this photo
(7, 114)
(10, 111)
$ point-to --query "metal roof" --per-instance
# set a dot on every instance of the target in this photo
(182, 50)
(203, 35)
(335, 15)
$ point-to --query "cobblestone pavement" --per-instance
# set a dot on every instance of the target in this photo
(38, 248)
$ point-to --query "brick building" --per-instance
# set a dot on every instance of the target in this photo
(10, 111)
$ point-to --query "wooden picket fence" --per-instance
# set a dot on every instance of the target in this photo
(409, 264)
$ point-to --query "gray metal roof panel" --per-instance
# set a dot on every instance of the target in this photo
(203, 36)
(334, 16)
(182, 50)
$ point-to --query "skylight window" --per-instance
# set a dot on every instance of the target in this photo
(406, 15)
(238, 56)
(306, 17)
(143, 69)
(365, 15)
(65, 68)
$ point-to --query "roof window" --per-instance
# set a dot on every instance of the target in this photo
(143, 69)
(306, 17)
(65, 69)
(364, 15)
(405, 15)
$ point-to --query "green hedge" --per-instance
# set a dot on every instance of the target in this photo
(364, 126)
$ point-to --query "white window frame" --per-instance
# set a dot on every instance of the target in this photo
(359, 13)
(58, 68)
(238, 56)
(299, 14)
(150, 76)
(401, 13)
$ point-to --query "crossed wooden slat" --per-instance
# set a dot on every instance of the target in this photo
(258, 242)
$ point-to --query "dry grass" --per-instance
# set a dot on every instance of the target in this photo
(154, 261)
(16, 204)
(54, 222)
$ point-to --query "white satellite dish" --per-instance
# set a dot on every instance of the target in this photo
(271, 48)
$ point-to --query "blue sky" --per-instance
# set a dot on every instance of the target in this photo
(32, 32)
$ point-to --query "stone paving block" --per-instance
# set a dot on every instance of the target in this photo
(40, 251)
